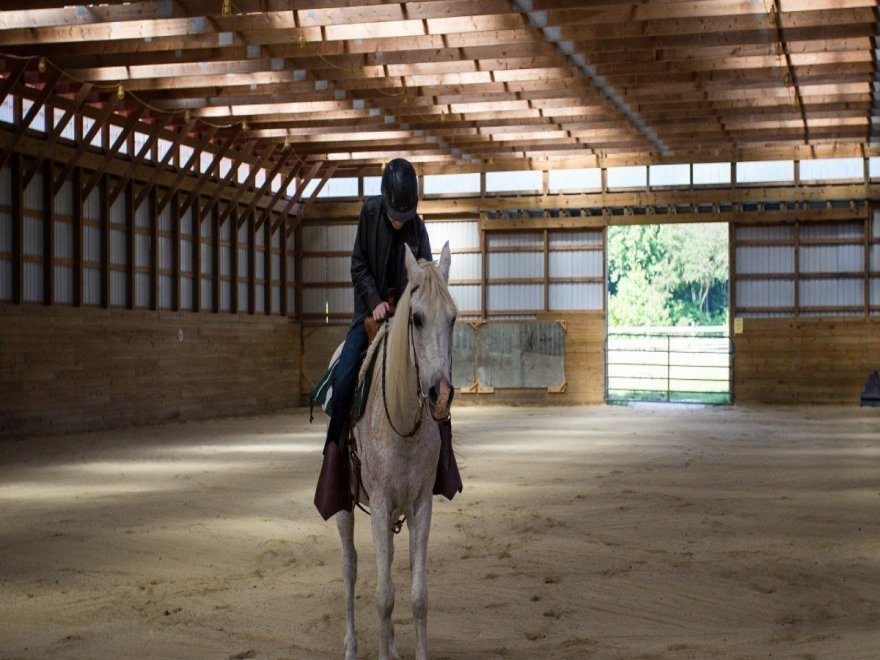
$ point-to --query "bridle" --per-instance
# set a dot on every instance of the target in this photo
(420, 416)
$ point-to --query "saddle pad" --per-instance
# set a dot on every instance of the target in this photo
(322, 392)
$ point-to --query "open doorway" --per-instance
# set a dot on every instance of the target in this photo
(668, 313)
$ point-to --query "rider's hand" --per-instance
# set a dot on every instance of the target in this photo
(381, 311)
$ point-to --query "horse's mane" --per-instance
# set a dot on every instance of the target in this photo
(436, 291)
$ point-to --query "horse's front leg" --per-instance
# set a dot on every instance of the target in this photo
(419, 528)
(345, 525)
(383, 541)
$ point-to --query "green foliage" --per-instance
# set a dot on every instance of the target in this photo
(668, 275)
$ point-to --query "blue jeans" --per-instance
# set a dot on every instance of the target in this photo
(345, 381)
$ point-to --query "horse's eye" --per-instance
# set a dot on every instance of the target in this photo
(418, 320)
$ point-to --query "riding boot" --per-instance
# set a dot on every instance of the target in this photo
(448, 480)
(333, 492)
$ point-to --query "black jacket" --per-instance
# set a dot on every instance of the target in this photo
(374, 245)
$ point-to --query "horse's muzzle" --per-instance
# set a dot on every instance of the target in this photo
(440, 399)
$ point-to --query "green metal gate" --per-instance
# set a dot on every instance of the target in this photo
(672, 366)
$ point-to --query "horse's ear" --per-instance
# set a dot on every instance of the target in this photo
(413, 272)
(445, 258)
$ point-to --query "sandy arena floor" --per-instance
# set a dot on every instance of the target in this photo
(595, 532)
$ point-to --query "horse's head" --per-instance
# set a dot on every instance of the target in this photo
(431, 317)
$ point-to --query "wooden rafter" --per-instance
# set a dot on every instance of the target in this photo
(151, 182)
(248, 182)
(267, 185)
(295, 198)
(186, 169)
(52, 137)
(208, 171)
(136, 159)
(38, 104)
(114, 149)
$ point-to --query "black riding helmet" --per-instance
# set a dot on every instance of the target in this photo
(400, 190)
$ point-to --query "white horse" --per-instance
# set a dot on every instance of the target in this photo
(399, 444)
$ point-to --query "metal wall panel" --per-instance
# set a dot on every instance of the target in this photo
(765, 232)
(91, 286)
(579, 297)
(64, 199)
(225, 296)
(260, 264)
(243, 234)
(33, 236)
(165, 219)
(33, 194)
(875, 258)
(33, 282)
(515, 239)
(118, 247)
(118, 288)
(6, 186)
(242, 262)
(819, 231)
(326, 269)
(468, 298)
(117, 211)
(92, 246)
(578, 237)
(516, 264)
(5, 280)
(207, 258)
(225, 260)
(243, 296)
(206, 228)
(166, 256)
(460, 235)
(142, 213)
(63, 239)
(260, 237)
(143, 244)
(260, 301)
(832, 258)
(515, 297)
(832, 292)
(875, 225)
(335, 301)
(186, 293)
(207, 294)
(775, 259)
(276, 299)
(186, 261)
(166, 291)
(466, 266)
(765, 293)
(186, 222)
(92, 205)
(581, 263)
(226, 230)
(143, 291)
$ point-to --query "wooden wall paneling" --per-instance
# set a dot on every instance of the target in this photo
(130, 367)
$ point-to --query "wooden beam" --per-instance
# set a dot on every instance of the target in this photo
(251, 177)
(209, 171)
(15, 72)
(136, 159)
(295, 197)
(278, 194)
(230, 176)
(305, 207)
(114, 149)
(53, 137)
(157, 171)
(85, 143)
(26, 121)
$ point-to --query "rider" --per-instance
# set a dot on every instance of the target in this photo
(378, 273)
